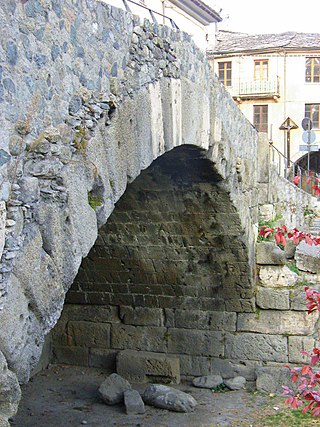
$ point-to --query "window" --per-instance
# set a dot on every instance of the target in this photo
(260, 117)
(313, 70)
(261, 69)
(225, 73)
(312, 111)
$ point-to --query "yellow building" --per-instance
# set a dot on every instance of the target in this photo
(275, 79)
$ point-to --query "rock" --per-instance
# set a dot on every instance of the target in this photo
(236, 383)
(269, 254)
(272, 276)
(143, 366)
(208, 381)
(133, 402)
(270, 379)
(29, 189)
(308, 257)
(113, 388)
(165, 397)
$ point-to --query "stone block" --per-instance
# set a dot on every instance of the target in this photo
(143, 316)
(272, 298)
(147, 338)
(88, 334)
(308, 257)
(133, 402)
(112, 389)
(198, 319)
(91, 313)
(298, 344)
(204, 343)
(230, 368)
(10, 392)
(277, 276)
(102, 358)
(194, 366)
(165, 397)
(270, 379)
(78, 356)
(236, 383)
(266, 212)
(208, 381)
(277, 322)
(290, 249)
(240, 305)
(268, 253)
(252, 346)
(141, 366)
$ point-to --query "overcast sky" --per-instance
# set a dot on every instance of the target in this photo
(271, 16)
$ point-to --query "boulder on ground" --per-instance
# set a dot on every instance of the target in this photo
(133, 402)
(236, 383)
(112, 389)
(208, 381)
(165, 397)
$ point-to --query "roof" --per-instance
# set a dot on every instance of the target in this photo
(231, 42)
(198, 10)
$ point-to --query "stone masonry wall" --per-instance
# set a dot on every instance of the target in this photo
(278, 197)
(90, 97)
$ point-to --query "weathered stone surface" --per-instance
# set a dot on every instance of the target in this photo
(141, 316)
(266, 212)
(169, 398)
(3, 215)
(71, 355)
(140, 366)
(18, 339)
(297, 345)
(10, 392)
(273, 298)
(34, 267)
(205, 320)
(257, 347)
(270, 379)
(147, 338)
(88, 334)
(112, 389)
(308, 257)
(236, 383)
(102, 358)
(204, 343)
(278, 322)
(269, 254)
(207, 381)
(277, 277)
(133, 402)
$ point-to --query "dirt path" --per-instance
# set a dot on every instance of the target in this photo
(67, 396)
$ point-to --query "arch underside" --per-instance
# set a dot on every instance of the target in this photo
(168, 269)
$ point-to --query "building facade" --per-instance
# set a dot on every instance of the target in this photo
(192, 16)
(275, 80)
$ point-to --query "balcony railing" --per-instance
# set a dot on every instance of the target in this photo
(256, 89)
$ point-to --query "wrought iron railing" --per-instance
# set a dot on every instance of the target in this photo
(259, 87)
(152, 13)
(255, 88)
(289, 170)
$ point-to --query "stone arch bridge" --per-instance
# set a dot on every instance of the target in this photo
(115, 125)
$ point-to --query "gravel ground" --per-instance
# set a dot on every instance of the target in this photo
(67, 396)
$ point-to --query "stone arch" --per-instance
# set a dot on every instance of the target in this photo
(170, 267)
(85, 129)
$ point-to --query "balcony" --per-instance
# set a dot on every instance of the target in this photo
(255, 89)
